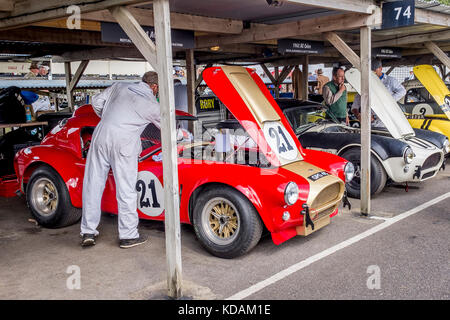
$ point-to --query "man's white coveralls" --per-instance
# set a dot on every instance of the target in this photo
(125, 110)
(394, 87)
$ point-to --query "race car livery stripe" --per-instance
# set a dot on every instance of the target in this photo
(428, 125)
(423, 124)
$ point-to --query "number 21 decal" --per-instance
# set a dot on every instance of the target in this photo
(280, 141)
(150, 194)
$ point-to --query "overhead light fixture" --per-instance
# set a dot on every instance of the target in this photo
(274, 3)
(216, 48)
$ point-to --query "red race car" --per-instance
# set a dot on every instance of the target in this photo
(231, 187)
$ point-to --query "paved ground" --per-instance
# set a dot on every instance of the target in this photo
(411, 255)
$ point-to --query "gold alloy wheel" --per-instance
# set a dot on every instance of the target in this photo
(220, 221)
(44, 197)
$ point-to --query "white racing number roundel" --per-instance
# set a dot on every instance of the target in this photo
(150, 194)
(280, 141)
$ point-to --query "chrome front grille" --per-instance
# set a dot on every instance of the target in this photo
(431, 161)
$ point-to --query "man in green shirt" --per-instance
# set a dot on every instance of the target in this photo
(335, 96)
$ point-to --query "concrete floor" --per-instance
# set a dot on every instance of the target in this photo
(413, 256)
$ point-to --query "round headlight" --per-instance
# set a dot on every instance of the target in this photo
(291, 193)
(349, 171)
(408, 155)
(447, 146)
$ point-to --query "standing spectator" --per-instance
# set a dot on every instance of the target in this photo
(34, 71)
(335, 97)
(43, 71)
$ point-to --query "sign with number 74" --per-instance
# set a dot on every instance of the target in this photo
(398, 14)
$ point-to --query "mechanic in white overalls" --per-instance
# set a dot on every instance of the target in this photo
(125, 110)
(394, 87)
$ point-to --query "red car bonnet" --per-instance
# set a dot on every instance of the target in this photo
(218, 81)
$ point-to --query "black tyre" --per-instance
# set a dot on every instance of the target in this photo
(378, 176)
(226, 223)
(49, 200)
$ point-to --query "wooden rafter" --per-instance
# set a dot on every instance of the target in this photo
(294, 29)
(27, 12)
(359, 6)
(180, 21)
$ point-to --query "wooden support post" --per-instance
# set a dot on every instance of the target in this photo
(441, 55)
(190, 77)
(169, 147)
(365, 118)
(305, 79)
(69, 92)
(277, 85)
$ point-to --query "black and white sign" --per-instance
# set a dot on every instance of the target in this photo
(280, 141)
(150, 194)
(386, 53)
(112, 32)
(398, 14)
(299, 46)
(318, 175)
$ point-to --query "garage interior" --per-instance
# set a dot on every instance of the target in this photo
(224, 32)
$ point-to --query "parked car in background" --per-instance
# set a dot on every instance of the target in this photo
(398, 153)
(427, 101)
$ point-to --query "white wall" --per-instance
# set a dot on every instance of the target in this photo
(106, 67)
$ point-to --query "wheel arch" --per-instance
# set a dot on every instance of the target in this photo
(243, 190)
(71, 175)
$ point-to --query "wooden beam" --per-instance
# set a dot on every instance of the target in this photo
(61, 36)
(431, 17)
(32, 11)
(135, 32)
(294, 29)
(69, 92)
(366, 116)
(359, 6)
(62, 24)
(343, 48)
(191, 74)
(7, 5)
(200, 78)
(305, 89)
(268, 73)
(76, 78)
(99, 54)
(419, 38)
(441, 55)
(390, 70)
(423, 50)
(169, 148)
(178, 20)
